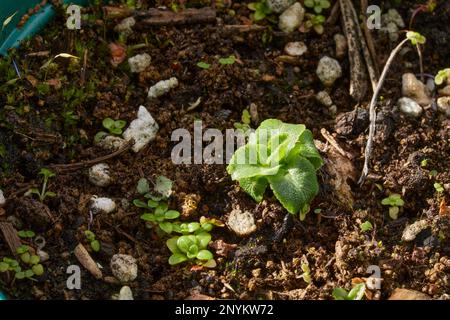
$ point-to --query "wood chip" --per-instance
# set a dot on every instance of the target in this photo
(10, 235)
(86, 261)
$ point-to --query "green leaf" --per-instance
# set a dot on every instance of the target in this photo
(203, 239)
(38, 269)
(142, 186)
(120, 124)
(185, 242)
(149, 217)
(152, 203)
(438, 187)
(29, 273)
(108, 123)
(177, 258)
(193, 226)
(46, 173)
(209, 264)
(296, 186)
(254, 187)
(204, 255)
(172, 245)
(162, 207)
(166, 227)
(442, 76)
(171, 214)
(339, 294)
(393, 212)
(25, 257)
(226, 61)
(90, 236)
(415, 37)
(139, 203)
(95, 245)
(203, 65)
(309, 3)
(257, 16)
(357, 293)
(253, 6)
(26, 234)
(366, 226)
(34, 259)
(159, 216)
(163, 186)
(22, 249)
(207, 227)
(4, 267)
(193, 251)
(20, 275)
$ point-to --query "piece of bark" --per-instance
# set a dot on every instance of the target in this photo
(157, 17)
(406, 294)
(86, 261)
(10, 235)
(358, 74)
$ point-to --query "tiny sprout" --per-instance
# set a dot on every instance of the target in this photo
(159, 217)
(366, 226)
(261, 10)
(424, 163)
(230, 60)
(357, 293)
(317, 5)
(441, 76)
(394, 201)
(114, 126)
(26, 234)
(90, 236)
(415, 38)
(47, 174)
(438, 187)
(203, 65)
(306, 272)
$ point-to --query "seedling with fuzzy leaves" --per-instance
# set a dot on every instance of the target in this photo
(394, 201)
(46, 174)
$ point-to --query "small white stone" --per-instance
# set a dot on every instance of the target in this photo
(110, 143)
(328, 70)
(162, 87)
(242, 223)
(278, 6)
(324, 98)
(409, 107)
(100, 204)
(125, 293)
(42, 255)
(295, 49)
(124, 267)
(443, 104)
(126, 26)
(2, 199)
(139, 62)
(340, 42)
(99, 175)
(291, 18)
(415, 89)
(142, 130)
(393, 16)
(411, 231)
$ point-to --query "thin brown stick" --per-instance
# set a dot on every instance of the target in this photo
(369, 39)
(372, 111)
(334, 14)
(10, 235)
(61, 168)
(157, 17)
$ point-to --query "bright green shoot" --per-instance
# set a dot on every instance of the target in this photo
(114, 126)
(229, 60)
(317, 5)
(91, 238)
(394, 201)
(357, 293)
(191, 247)
(415, 38)
(366, 226)
(34, 268)
(261, 10)
(46, 174)
(441, 76)
(160, 217)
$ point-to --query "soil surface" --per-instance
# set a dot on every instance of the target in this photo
(51, 115)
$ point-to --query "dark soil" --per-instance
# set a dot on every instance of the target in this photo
(45, 122)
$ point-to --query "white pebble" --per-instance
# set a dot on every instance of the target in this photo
(124, 267)
(279, 6)
(324, 98)
(162, 87)
(328, 70)
(409, 107)
(139, 62)
(142, 130)
(126, 293)
(291, 18)
(100, 204)
(412, 230)
(295, 49)
(242, 223)
(43, 255)
(443, 104)
(340, 41)
(415, 89)
(2, 198)
(99, 175)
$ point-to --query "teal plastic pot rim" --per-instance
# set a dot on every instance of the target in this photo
(11, 37)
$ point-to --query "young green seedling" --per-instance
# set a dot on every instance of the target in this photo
(282, 156)
(366, 226)
(47, 174)
(203, 65)
(244, 127)
(26, 234)
(441, 76)
(357, 293)
(394, 201)
(114, 126)
(230, 60)
(90, 236)
(317, 5)
(160, 217)
(191, 247)
(261, 10)
(314, 21)
(32, 260)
